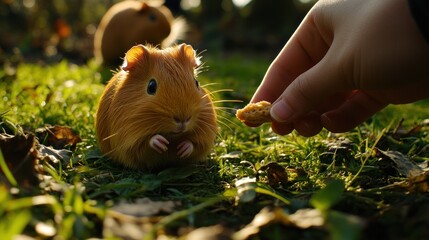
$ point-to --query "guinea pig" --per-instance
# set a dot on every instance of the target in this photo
(153, 113)
(128, 23)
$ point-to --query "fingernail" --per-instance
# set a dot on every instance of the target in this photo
(281, 112)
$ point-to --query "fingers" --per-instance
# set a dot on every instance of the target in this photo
(355, 110)
(308, 92)
(282, 128)
(359, 107)
(305, 48)
(307, 126)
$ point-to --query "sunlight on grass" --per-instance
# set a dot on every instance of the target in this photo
(74, 196)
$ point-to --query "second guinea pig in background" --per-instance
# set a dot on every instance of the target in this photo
(132, 22)
(153, 113)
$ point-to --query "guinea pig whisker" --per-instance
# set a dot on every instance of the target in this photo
(218, 108)
(224, 108)
(209, 84)
(221, 90)
(212, 93)
(227, 120)
(225, 125)
(227, 101)
(200, 129)
(209, 114)
(110, 136)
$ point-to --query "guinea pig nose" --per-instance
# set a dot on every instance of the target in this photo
(182, 123)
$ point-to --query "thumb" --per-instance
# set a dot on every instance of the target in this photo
(308, 91)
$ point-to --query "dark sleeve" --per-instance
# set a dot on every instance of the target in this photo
(420, 12)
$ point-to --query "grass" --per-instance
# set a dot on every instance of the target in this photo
(344, 178)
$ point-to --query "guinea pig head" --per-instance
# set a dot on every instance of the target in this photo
(162, 93)
(153, 24)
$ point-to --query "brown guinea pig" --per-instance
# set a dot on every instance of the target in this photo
(128, 23)
(153, 113)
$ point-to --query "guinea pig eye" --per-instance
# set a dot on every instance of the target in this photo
(152, 17)
(151, 87)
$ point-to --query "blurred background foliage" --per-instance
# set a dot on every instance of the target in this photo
(51, 30)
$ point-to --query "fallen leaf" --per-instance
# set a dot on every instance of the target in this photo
(135, 220)
(306, 218)
(21, 158)
(59, 137)
(402, 163)
(419, 183)
(145, 207)
(303, 219)
(216, 232)
(55, 156)
(45, 229)
(276, 173)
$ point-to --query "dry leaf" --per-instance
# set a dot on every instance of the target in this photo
(276, 173)
(216, 232)
(419, 183)
(55, 156)
(21, 157)
(135, 220)
(304, 218)
(402, 163)
(59, 137)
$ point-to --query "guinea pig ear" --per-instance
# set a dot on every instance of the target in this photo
(133, 56)
(144, 7)
(190, 54)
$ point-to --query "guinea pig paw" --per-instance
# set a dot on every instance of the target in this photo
(158, 143)
(185, 149)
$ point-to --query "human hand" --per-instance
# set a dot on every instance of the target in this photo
(345, 62)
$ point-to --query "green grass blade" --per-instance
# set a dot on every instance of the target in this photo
(6, 171)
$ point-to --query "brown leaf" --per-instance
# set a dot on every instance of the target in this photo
(59, 137)
(135, 220)
(276, 173)
(303, 218)
(21, 157)
(402, 163)
(216, 232)
(419, 183)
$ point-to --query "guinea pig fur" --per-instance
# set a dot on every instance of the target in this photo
(153, 114)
